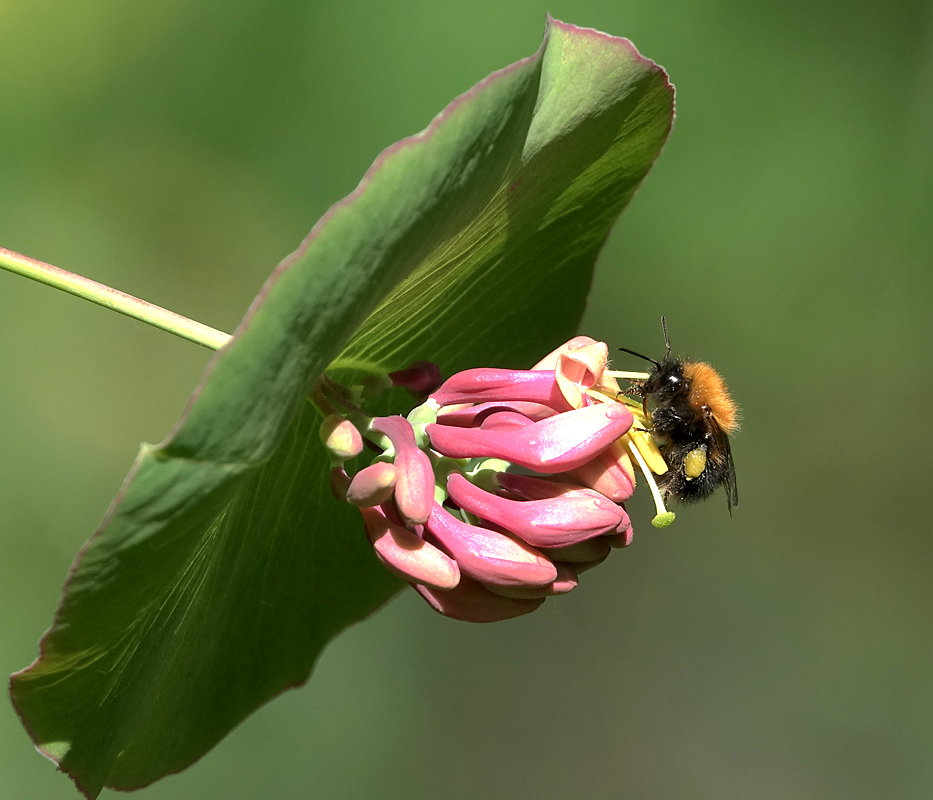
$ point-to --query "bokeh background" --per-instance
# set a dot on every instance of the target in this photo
(178, 150)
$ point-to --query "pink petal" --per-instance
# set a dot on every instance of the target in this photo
(489, 556)
(414, 486)
(579, 365)
(407, 555)
(552, 522)
(556, 444)
(549, 362)
(501, 385)
(472, 602)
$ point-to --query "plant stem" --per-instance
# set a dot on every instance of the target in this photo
(115, 300)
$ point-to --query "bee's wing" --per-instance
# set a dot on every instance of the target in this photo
(728, 477)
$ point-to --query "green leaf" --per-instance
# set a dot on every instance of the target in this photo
(224, 566)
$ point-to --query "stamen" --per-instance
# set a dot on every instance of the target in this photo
(664, 517)
(649, 449)
(627, 376)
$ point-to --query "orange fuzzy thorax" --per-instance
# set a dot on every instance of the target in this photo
(708, 390)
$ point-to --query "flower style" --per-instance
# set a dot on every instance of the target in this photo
(502, 488)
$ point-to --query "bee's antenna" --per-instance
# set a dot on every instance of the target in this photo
(632, 352)
(667, 341)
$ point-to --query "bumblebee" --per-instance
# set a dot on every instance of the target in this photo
(690, 414)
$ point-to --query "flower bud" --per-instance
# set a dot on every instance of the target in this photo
(488, 556)
(610, 473)
(414, 482)
(556, 444)
(571, 517)
(421, 378)
(407, 555)
(341, 438)
(372, 485)
(501, 385)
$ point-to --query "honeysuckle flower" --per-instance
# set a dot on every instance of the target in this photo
(555, 444)
(414, 485)
(566, 518)
(407, 554)
(579, 365)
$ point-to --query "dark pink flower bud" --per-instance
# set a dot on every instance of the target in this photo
(372, 485)
(571, 517)
(421, 378)
(556, 444)
(489, 556)
(414, 483)
(472, 602)
(501, 385)
(407, 555)
(473, 416)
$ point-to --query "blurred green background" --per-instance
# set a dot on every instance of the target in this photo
(178, 150)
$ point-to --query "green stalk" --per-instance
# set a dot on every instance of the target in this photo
(115, 300)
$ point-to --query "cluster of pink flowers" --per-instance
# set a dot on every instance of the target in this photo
(501, 488)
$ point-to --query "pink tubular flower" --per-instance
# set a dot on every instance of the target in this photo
(556, 444)
(566, 518)
(579, 365)
(408, 555)
(501, 385)
(414, 487)
(488, 556)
